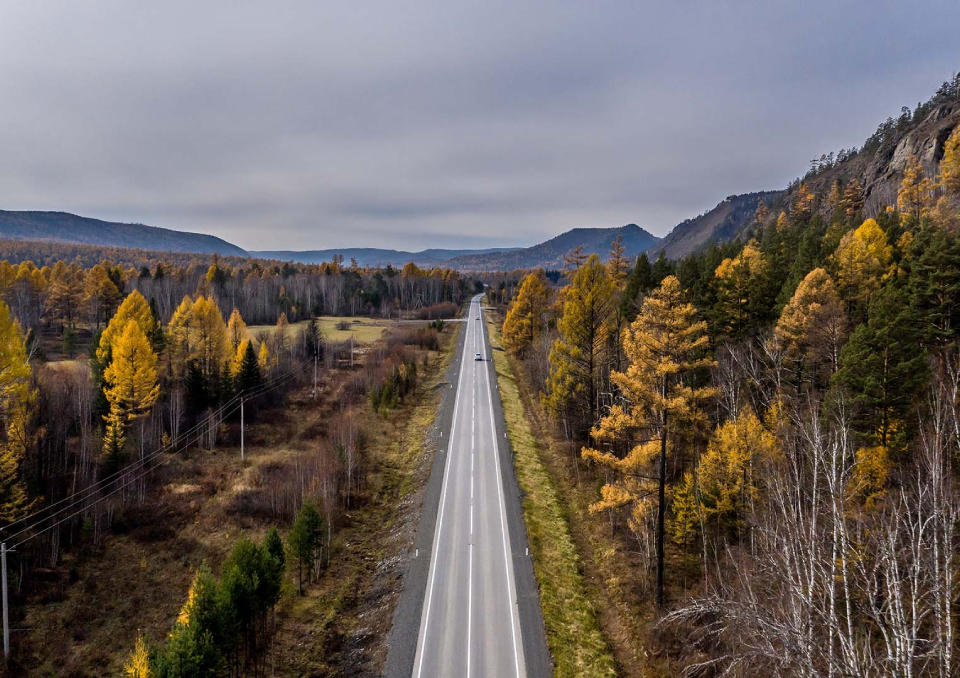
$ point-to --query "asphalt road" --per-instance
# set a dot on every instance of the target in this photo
(470, 603)
(470, 625)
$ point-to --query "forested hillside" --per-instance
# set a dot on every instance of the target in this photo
(70, 228)
(58, 296)
(550, 254)
(724, 222)
(875, 170)
(758, 444)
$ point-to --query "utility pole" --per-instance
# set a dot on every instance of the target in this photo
(314, 375)
(351, 350)
(241, 429)
(6, 617)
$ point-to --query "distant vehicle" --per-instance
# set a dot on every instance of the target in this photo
(478, 357)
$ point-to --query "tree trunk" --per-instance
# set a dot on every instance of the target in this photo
(661, 512)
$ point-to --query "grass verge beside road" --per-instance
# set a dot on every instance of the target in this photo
(576, 642)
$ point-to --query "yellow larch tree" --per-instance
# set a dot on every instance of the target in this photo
(915, 197)
(853, 198)
(782, 222)
(617, 263)
(736, 280)
(264, 359)
(663, 346)
(869, 477)
(803, 203)
(238, 357)
(16, 401)
(138, 666)
(576, 356)
(525, 319)
(65, 292)
(132, 386)
(236, 329)
(573, 260)
(813, 324)
(134, 308)
(100, 293)
(862, 258)
(762, 215)
(178, 337)
(724, 485)
(950, 164)
(209, 344)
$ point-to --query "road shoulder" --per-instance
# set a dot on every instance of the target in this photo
(564, 615)
(402, 640)
(532, 630)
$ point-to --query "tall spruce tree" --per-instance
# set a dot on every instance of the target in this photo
(883, 365)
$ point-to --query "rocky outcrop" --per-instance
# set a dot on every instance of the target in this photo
(726, 221)
(881, 171)
(878, 167)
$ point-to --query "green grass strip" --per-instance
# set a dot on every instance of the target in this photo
(576, 642)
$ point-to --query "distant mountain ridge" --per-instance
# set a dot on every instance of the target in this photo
(375, 256)
(69, 228)
(724, 222)
(549, 254)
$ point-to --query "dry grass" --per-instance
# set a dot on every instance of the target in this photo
(336, 613)
(98, 599)
(72, 365)
(363, 329)
(87, 613)
(577, 644)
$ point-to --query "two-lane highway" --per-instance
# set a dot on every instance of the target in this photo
(470, 624)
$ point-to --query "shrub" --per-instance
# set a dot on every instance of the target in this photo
(445, 309)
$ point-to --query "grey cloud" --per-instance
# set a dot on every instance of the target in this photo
(437, 123)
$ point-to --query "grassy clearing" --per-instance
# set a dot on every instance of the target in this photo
(365, 330)
(577, 644)
(72, 365)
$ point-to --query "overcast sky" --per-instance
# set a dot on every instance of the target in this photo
(304, 125)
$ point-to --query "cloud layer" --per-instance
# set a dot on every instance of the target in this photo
(310, 125)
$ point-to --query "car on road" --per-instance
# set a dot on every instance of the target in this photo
(478, 356)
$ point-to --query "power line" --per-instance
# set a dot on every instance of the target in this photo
(174, 443)
(258, 391)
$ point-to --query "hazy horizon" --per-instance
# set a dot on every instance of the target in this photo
(468, 126)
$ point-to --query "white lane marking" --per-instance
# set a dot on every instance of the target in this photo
(503, 521)
(443, 497)
(469, 602)
(473, 429)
